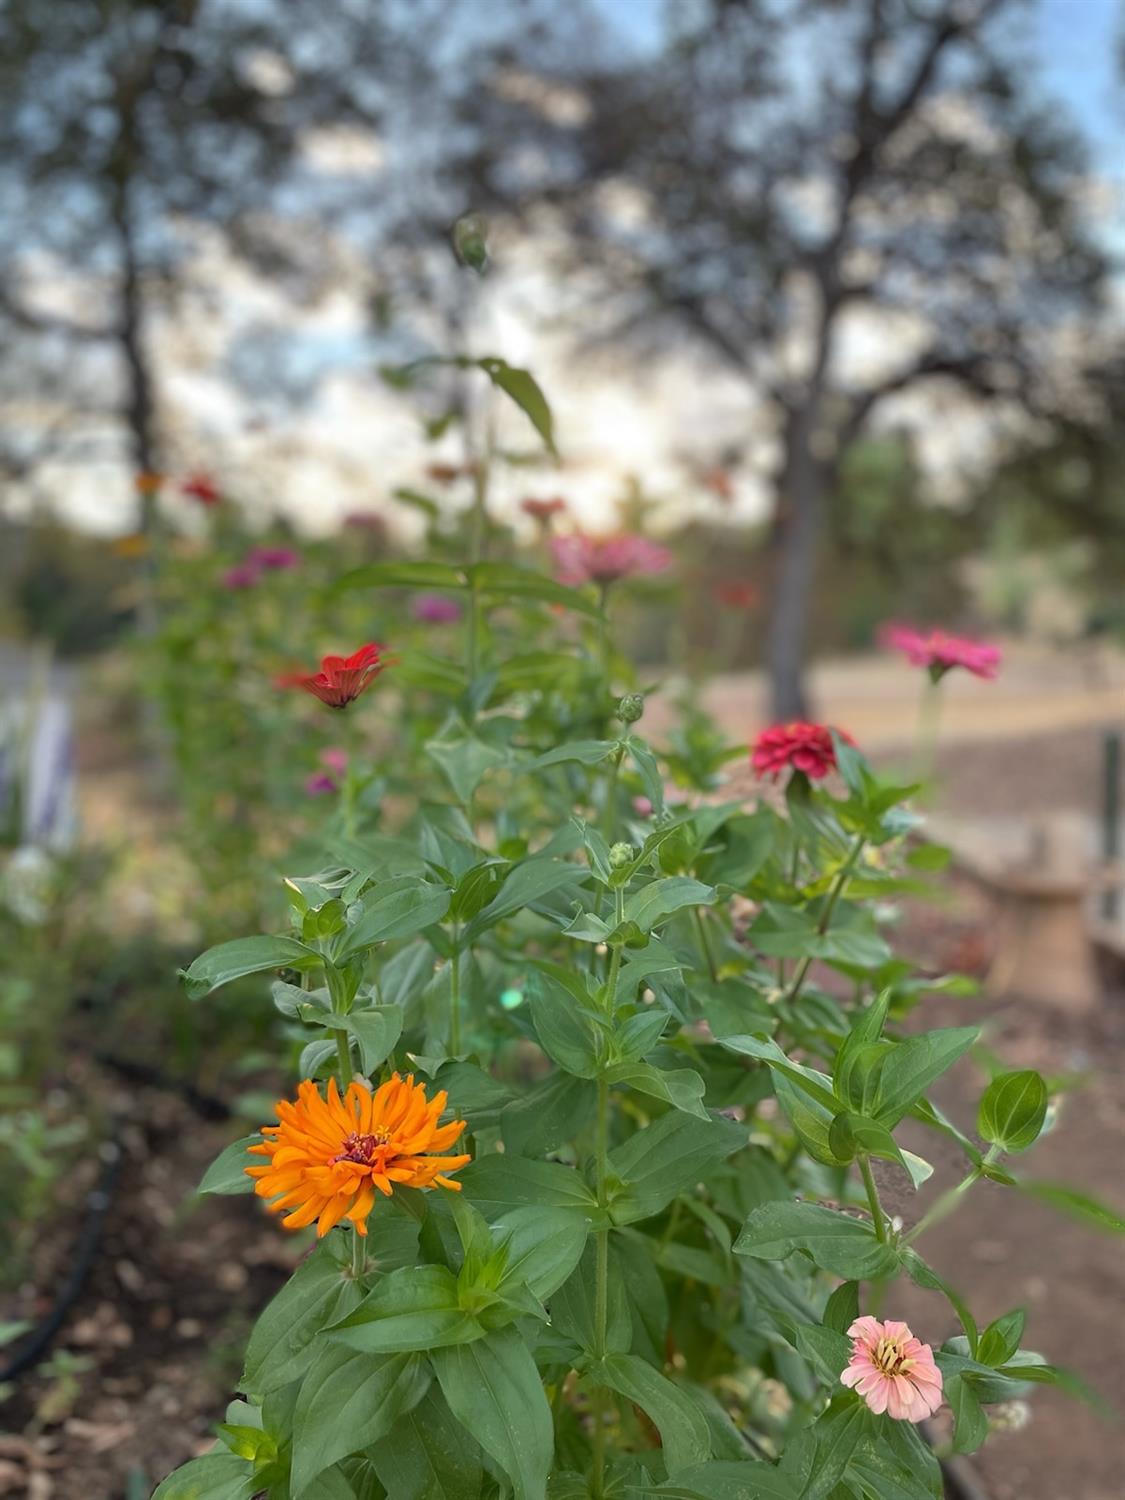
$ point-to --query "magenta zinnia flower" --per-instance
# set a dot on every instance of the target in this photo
(320, 782)
(892, 1370)
(435, 609)
(805, 747)
(603, 560)
(241, 576)
(939, 652)
(278, 559)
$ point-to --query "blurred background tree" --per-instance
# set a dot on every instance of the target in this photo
(790, 184)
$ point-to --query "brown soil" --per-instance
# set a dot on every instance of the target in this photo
(161, 1320)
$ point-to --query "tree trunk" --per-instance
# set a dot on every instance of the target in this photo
(801, 501)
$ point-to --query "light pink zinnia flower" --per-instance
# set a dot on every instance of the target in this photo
(939, 652)
(892, 1370)
(588, 559)
(335, 759)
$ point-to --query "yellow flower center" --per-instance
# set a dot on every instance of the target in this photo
(362, 1148)
(888, 1357)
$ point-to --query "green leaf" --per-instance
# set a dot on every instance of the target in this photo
(566, 1031)
(465, 760)
(544, 1245)
(511, 582)
(524, 885)
(681, 1087)
(847, 1247)
(842, 1307)
(816, 1085)
(666, 1158)
(1001, 1339)
(553, 1111)
(348, 1400)
(683, 1429)
(1067, 1200)
(850, 1135)
(837, 1433)
(884, 1476)
(215, 1476)
(410, 575)
(1012, 1110)
(721, 1479)
(393, 909)
(494, 1183)
(252, 955)
(495, 1392)
(581, 752)
(316, 1295)
(415, 1308)
(429, 1456)
(573, 1307)
(828, 1350)
(653, 903)
(524, 390)
(651, 779)
(377, 1030)
(970, 1425)
(909, 1068)
(227, 1173)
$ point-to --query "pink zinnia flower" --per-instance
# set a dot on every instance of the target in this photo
(603, 560)
(242, 576)
(319, 783)
(435, 609)
(805, 747)
(892, 1370)
(279, 559)
(543, 510)
(939, 652)
(335, 759)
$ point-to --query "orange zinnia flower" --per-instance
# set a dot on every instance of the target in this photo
(328, 1156)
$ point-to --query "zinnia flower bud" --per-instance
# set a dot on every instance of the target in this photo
(631, 708)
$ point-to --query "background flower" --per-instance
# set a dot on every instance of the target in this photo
(805, 747)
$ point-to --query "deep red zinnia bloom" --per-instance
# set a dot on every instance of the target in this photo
(341, 679)
(939, 652)
(735, 594)
(201, 487)
(805, 747)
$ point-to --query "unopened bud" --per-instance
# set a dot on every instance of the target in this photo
(620, 855)
(1009, 1416)
(631, 707)
(470, 242)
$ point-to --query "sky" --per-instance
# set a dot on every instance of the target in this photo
(322, 457)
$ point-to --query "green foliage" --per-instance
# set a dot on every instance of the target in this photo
(671, 1112)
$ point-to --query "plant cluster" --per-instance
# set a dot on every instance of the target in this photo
(597, 1087)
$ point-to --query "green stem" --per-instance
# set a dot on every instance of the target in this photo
(877, 1216)
(705, 943)
(822, 926)
(603, 635)
(343, 1057)
(455, 998)
(929, 719)
(609, 810)
(601, 1284)
(943, 1205)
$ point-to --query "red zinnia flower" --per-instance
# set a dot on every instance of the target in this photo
(588, 559)
(201, 487)
(543, 510)
(735, 594)
(939, 652)
(805, 747)
(341, 679)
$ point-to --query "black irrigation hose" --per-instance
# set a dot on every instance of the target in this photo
(98, 1200)
(207, 1106)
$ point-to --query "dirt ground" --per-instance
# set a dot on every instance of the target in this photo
(159, 1326)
